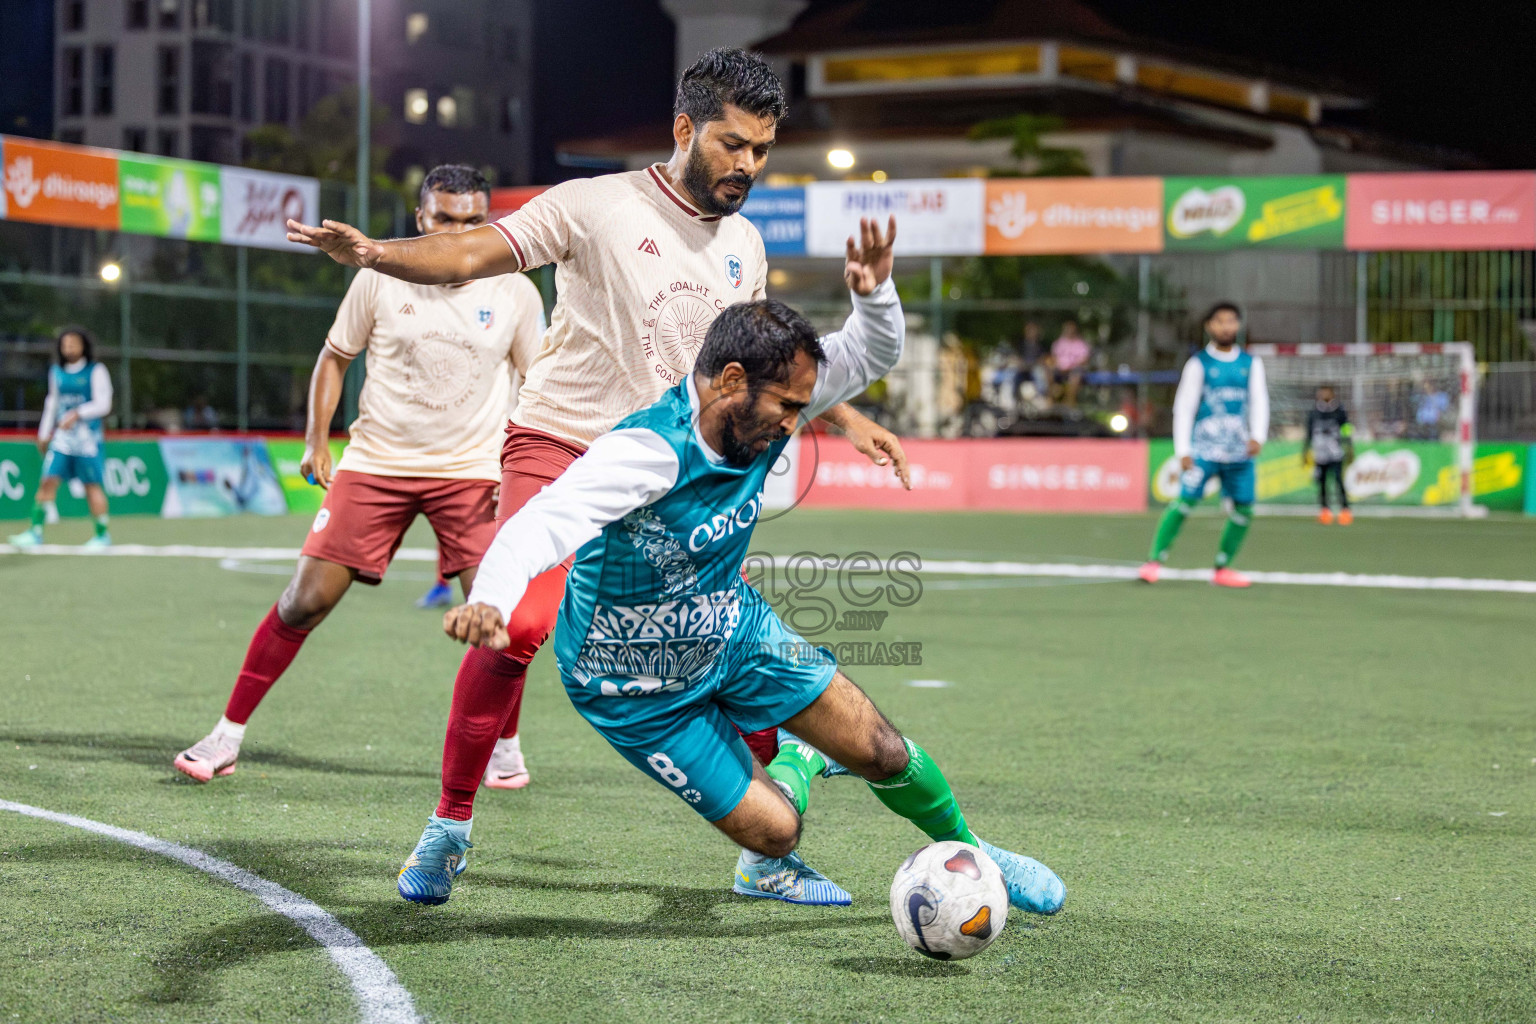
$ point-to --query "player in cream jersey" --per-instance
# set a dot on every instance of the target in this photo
(645, 261)
(442, 361)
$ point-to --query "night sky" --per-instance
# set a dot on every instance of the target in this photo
(1455, 75)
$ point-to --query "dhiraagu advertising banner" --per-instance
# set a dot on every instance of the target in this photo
(1420, 473)
(169, 198)
(1305, 212)
(299, 493)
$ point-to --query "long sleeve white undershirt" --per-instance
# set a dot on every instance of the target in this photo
(626, 469)
(1186, 400)
(99, 406)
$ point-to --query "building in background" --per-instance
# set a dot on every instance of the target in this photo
(190, 78)
(26, 68)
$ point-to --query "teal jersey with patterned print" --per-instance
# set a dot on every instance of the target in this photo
(1221, 425)
(73, 389)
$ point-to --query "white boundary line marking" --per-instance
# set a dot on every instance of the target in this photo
(380, 996)
(1061, 570)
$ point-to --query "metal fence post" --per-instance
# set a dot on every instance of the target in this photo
(242, 339)
(1362, 299)
(125, 346)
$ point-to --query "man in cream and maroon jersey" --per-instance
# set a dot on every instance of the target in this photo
(443, 363)
(645, 261)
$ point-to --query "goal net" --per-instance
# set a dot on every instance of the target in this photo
(1412, 407)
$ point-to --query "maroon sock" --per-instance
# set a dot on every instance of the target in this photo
(509, 729)
(487, 683)
(271, 652)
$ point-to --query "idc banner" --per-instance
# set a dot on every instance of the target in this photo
(935, 217)
(1006, 474)
(1462, 210)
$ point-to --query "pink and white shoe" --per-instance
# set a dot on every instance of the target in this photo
(507, 770)
(1149, 572)
(1228, 577)
(214, 754)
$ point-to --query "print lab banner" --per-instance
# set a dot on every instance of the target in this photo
(1008, 474)
(1466, 210)
(257, 205)
(1074, 215)
(938, 217)
(1305, 212)
(50, 183)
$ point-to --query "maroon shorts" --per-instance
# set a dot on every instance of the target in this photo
(365, 517)
(530, 461)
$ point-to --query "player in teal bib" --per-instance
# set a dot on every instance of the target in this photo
(79, 398)
(662, 646)
(1220, 421)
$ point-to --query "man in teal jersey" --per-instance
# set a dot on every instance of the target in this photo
(662, 645)
(79, 398)
(1220, 421)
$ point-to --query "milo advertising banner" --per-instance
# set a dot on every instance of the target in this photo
(300, 494)
(134, 480)
(169, 198)
(1422, 473)
(1304, 212)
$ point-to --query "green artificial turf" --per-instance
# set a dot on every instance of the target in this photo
(1289, 803)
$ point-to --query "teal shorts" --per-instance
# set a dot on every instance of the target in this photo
(1237, 481)
(687, 740)
(88, 469)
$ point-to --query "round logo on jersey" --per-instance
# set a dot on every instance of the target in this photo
(441, 371)
(733, 270)
(321, 518)
(487, 316)
(681, 325)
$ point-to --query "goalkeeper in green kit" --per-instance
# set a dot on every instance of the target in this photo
(1220, 422)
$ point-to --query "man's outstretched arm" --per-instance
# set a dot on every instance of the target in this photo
(445, 258)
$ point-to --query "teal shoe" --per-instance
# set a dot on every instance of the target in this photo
(832, 768)
(97, 543)
(1031, 885)
(26, 538)
(788, 879)
(428, 873)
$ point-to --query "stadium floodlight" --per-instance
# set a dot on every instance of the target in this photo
(111, 271)
(1423, 394)
(842, 159)
(878, 177)
(1119, 422)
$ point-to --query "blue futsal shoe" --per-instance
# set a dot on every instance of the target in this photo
(428, 873)
(833, 768)
(440, 596)
(788, 879)
(1031, 885)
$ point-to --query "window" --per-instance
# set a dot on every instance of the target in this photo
(74, 135)
(136, 140)
(168, 84)
(219, 14)
(509, 42)
(213, 85)
(138, 13)
(277, 107)
(464, 101)
(103, 72)
(417, 25)
(306, 89)
(166, 142)
(416, 106)
(511, 115)
(213, 144)
(247, 87)
(74, 82)
(301, 24)
(447, 111)
(74, 16)
(170, 13)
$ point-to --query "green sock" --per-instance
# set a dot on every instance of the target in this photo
(38, 515)
(1168, 528)
(921, 794)
(795, 766)
(101, 526)
(1233, 533)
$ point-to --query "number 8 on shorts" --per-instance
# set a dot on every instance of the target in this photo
(670, 773)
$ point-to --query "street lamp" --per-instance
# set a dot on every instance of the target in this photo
(842, 159)
(111, 271)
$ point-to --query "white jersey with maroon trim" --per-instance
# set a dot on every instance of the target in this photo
(443, 365)
(641, 274)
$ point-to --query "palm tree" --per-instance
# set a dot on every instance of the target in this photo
(1035, 159)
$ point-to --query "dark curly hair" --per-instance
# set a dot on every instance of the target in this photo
(88, 343)
(729, 75)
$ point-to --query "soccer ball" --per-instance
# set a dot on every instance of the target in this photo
(949, 901)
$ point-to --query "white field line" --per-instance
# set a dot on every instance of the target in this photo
(1060, 570)
(380, 996)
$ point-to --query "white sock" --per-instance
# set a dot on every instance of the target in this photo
(752, 856)
(459, 829)
(50, 512)
(510, 745)
(230, 729)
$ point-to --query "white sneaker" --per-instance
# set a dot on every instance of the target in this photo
(26, 538)
(214, 754)
(97, 543)
(507, 770)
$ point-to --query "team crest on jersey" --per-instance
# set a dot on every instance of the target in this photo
(733, 270)
(487, 316)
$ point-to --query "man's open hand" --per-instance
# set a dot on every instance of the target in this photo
(879, 445)
(478, 625)
(341, 242)
(870, 256)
